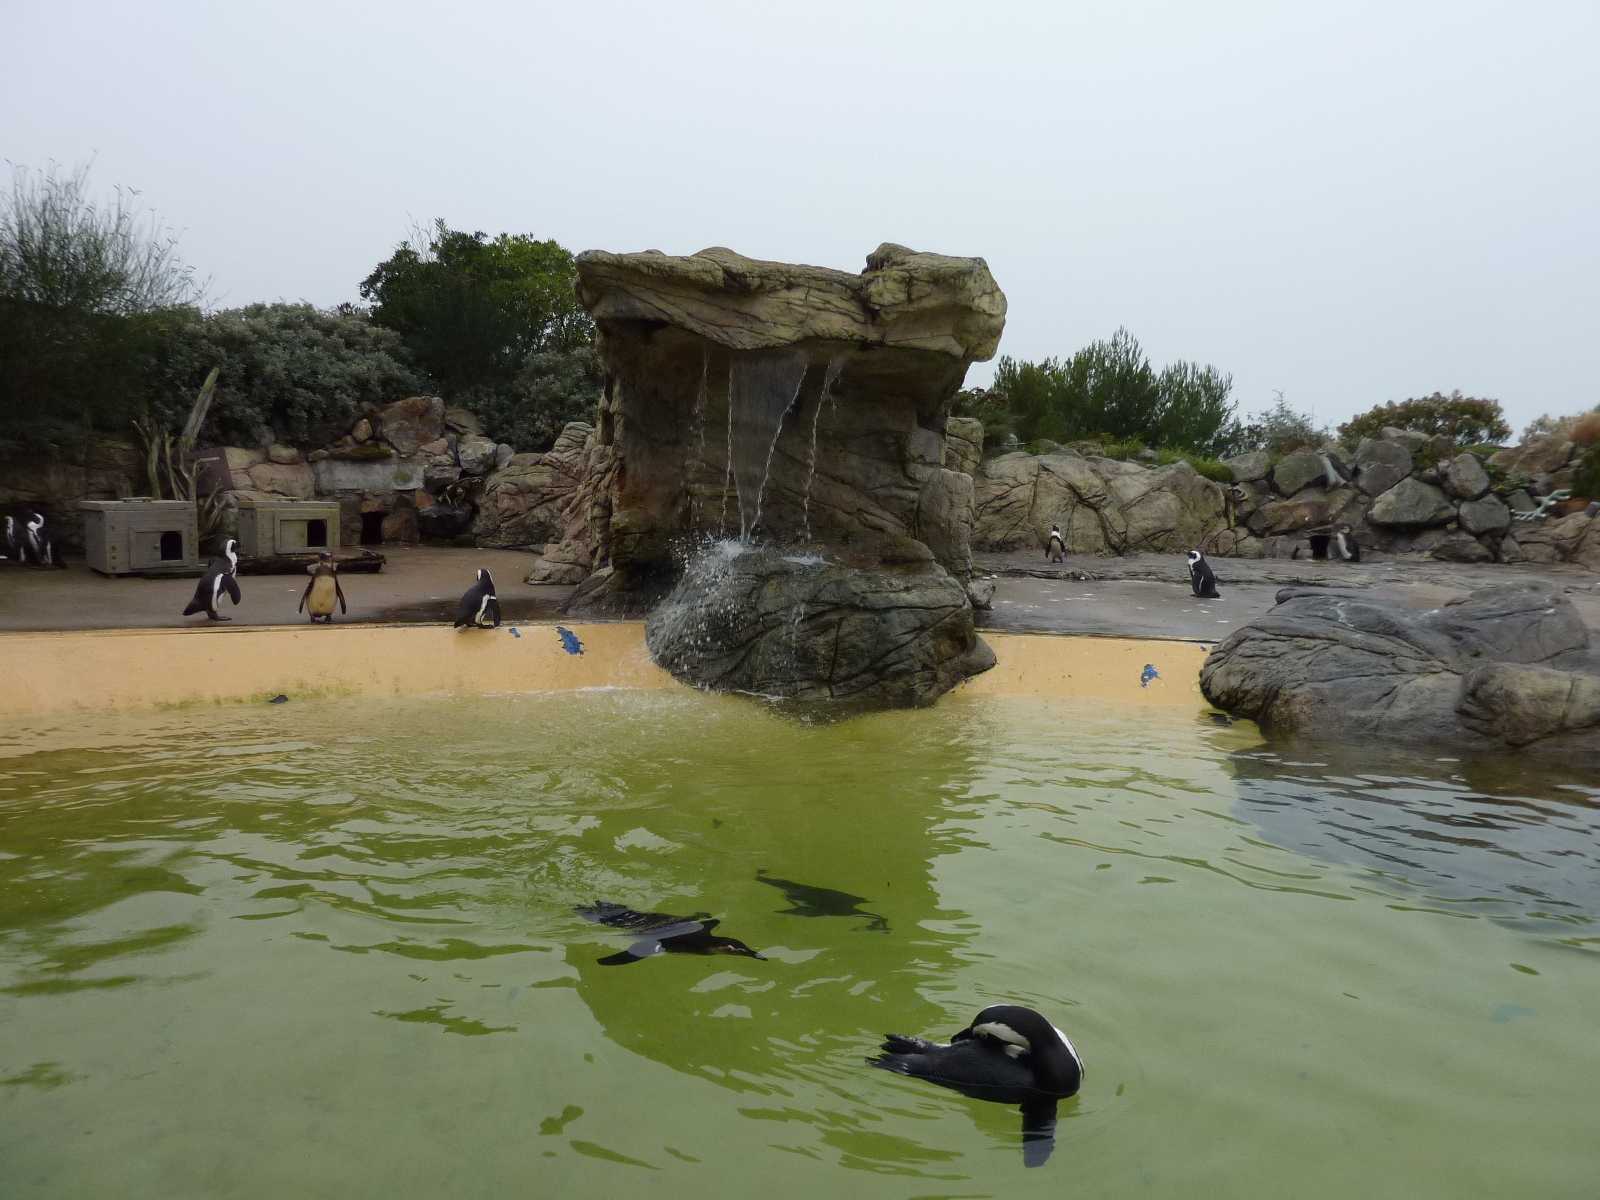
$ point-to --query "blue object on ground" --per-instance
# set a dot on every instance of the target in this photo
(514, 632)
(1506, 1011)
(569, 640)
(1147, 675)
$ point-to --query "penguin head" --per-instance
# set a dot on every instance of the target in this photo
(722, 945)
(35, 521)
(483, 576)
(325, 556)
(1019, 1032)
(229, 548)
(1196, 558)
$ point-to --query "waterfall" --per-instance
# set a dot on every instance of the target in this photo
(761, 389)
(835, 365)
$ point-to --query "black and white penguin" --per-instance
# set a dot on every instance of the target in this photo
(660, 933)
(9, 542)
(1056, 548)
(323, 590)
(1201, 578)
(1345, 545)
(479, 607)
(39, 546)
(219, 578)
(1009, 1054)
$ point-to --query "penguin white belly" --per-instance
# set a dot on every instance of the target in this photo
(324, 596)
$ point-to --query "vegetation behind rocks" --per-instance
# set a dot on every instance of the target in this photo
(1466, 420)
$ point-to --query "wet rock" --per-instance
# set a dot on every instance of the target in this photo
(1249, 467)
(1487, 515)
(963, 444)
(410, 423)
(800, 627)
(1342, 666)
(1411, 502)
(1298, 470)
(1380, 465)
(1465, 477)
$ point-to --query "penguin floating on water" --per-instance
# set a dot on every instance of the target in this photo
(660, 933)
(1201, 578)
(1010, 1055)
(219, 578)
(39, 546)
(479, 606)
(323, 590)
(1056, 548)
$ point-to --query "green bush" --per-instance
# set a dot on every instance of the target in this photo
(1280, 430)
(551, 390)
(1466, 420)
(1586, 475)
(1109, 389)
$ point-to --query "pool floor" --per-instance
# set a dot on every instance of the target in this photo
(327, 949)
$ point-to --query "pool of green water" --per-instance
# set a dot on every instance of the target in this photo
(327, 949)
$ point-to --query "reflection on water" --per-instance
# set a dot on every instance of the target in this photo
(1511, 836)
(330, 949)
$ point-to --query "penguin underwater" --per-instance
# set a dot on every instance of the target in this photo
(1010, 1055)
(811, 901)
(1056, 548)
(660, 933)
(219, 578)
(1201, 579)
(479, 606)
(323, 590)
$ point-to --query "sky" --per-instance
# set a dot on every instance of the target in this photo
(1347, 203)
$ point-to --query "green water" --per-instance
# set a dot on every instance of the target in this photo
(326, 949)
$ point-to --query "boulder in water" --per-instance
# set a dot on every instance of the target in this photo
(873, 623)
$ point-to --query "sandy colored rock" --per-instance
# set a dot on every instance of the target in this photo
(400, 526)
(1460, 546)
(462, 421)
(361, 431)
(285, 455)
(1537, 456)
(295, 481)
(409, 424)
(963, 444)
(241, 460)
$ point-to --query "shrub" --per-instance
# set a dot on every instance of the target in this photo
(1464, 419)
(1586, 475)
(1280, 430)
(551, 390)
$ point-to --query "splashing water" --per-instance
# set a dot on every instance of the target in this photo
(762, 387)
(835, 365)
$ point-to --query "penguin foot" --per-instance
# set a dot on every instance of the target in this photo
(214, 617)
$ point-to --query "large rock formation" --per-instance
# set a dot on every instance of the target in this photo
(780, 405)
(1102, 506)
(875, 624)
(1509, 665)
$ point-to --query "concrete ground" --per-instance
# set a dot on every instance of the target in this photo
(1148, 595)
(1140, 596)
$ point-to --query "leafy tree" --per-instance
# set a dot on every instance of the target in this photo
(289, 372)
(1109, 390)
(88, 293)
(550, 390)
(471, 310)
(1466, 420)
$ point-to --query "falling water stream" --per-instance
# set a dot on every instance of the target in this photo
(762, 387)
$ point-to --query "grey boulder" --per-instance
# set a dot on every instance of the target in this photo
(1488, 515)
(1298, 470)
(1411, 502)
(1380, 465)
(1465, 477)
(1509, 666)
(874, 624)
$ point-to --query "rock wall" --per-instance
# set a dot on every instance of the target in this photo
(108, 469)
(875, 360)
(1103, 506)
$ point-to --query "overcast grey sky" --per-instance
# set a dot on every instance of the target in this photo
(1350, 202)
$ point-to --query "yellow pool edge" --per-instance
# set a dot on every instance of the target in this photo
(145, 668)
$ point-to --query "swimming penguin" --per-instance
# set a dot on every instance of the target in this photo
(808, 901)
(660, 933)
(479, 606)
(39, 546)
(1201, 578)
(323, 590)
(1056, 548)
(1345, 545)
(1010, 1055)
(219, 578)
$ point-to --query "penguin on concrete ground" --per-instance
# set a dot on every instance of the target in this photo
(40, 547)
(1345, 545)
(1201, 578)
(9, 542)
(323, 590)
(1056, 548)
(219, 578)
(480, 606)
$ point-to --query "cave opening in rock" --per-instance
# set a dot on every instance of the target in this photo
(372, 529)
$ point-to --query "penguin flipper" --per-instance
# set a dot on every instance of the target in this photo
(494, 610)
(339, 591)
(231, 586)
(304, 597)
